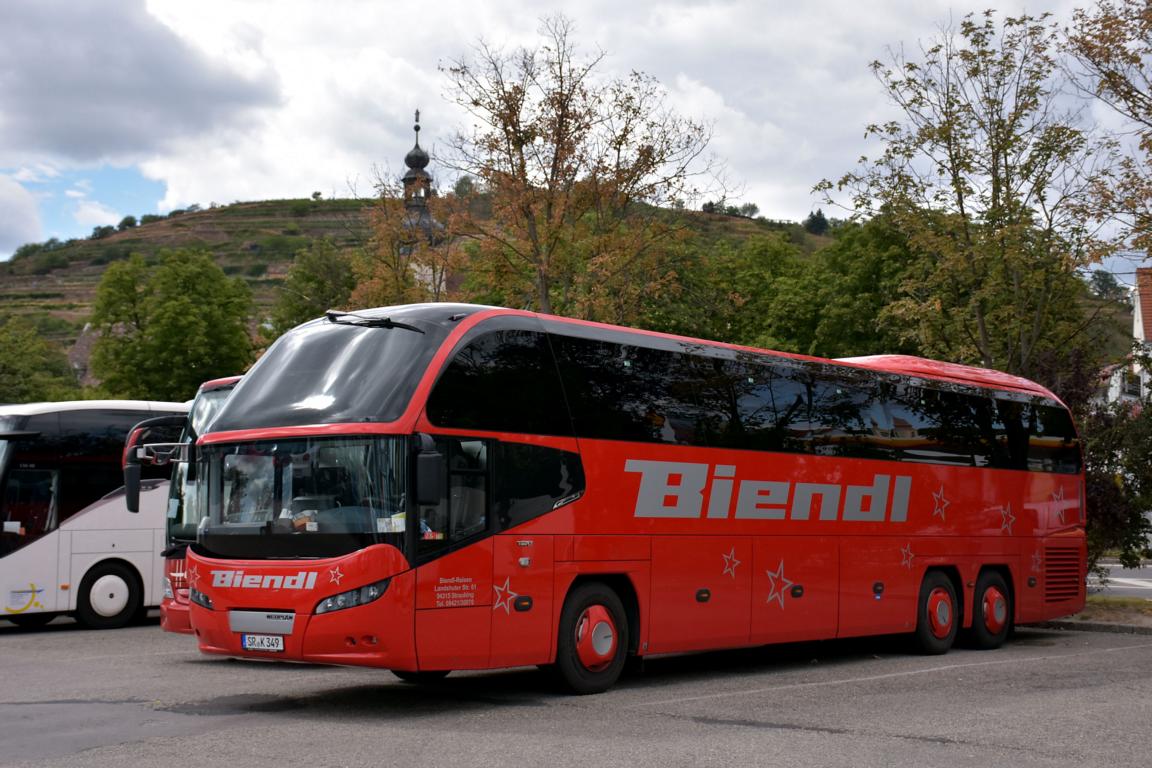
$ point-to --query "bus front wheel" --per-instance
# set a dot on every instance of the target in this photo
(109, 597)
(936, 614)
(422, 678)
(593, 640)
(991, 611)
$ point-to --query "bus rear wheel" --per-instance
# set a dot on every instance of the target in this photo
(936, 614)
(593, 640)
(991, 612)
(109, 597)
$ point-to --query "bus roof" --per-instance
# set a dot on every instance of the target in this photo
(221, 383)
(937, 369)
(33, 409)
(907, 365)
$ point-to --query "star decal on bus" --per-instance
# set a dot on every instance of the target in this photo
(906, 556)
(335, 575)
(939, 503)
(193, 576)
(1058, 503)
(730, 563)
(778, 584)
(504, 597)
(1007, 519)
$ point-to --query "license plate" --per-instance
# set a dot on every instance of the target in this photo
(268, 643)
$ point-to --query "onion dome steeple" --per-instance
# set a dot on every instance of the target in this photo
(417, 189)
(417, 181)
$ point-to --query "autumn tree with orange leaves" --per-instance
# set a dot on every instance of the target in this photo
(406, 259)
(1112, 44)
(579, 170)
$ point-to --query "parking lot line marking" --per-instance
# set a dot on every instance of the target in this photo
(888, 676)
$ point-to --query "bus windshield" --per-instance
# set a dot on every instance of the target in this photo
(184, 513)
(313, 497)
(336, 371)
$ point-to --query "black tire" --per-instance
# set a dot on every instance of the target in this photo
(992, 612)
(422, 678)
(110, 597)
(593, 642)
(937, 614)
(31, 620)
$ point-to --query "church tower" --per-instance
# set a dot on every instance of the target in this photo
(418, 189)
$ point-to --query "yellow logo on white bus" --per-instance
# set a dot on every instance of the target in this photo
(23, 600)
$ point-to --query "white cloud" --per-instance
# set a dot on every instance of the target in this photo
(90, 213)
(19, 217)
(223, 100)
(37, 172)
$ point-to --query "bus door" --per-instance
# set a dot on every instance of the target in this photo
(454, 586)
(30, 509)
(522, 602)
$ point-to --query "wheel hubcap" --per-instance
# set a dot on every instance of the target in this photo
(595, 638)
(940, 612)
(995, 610)
(109, 596)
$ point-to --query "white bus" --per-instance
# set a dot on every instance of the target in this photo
(68, 543)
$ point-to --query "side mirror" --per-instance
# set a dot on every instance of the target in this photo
(144, 447)
(431, 477)
(132, 487)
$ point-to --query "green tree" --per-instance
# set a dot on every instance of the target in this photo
(32, 369)
(989, 181)
(1106, 286)
(1112, 44)
(816, 224)
(1118, 464)
(166, 329)
(319, 279)
(852, 282)
(744, 292)
(128, 222)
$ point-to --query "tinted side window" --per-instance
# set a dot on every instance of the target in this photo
(531, 480)
(504, 381)
(626, 392)
(92, 444)
(1053, 446)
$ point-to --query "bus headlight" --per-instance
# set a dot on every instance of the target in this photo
(168, 589)
(353, 597)
(200, 598)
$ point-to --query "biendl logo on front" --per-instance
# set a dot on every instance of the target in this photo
(677, 489)
(241, 580)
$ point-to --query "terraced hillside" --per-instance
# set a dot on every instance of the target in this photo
(56, 286)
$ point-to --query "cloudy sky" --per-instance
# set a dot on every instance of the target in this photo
(117, 107)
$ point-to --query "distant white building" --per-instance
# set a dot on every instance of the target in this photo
(1130, 381)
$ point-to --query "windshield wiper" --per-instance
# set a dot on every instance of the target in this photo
(335, 316)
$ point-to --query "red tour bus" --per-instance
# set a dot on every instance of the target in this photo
(437, 487)
(183, 513)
